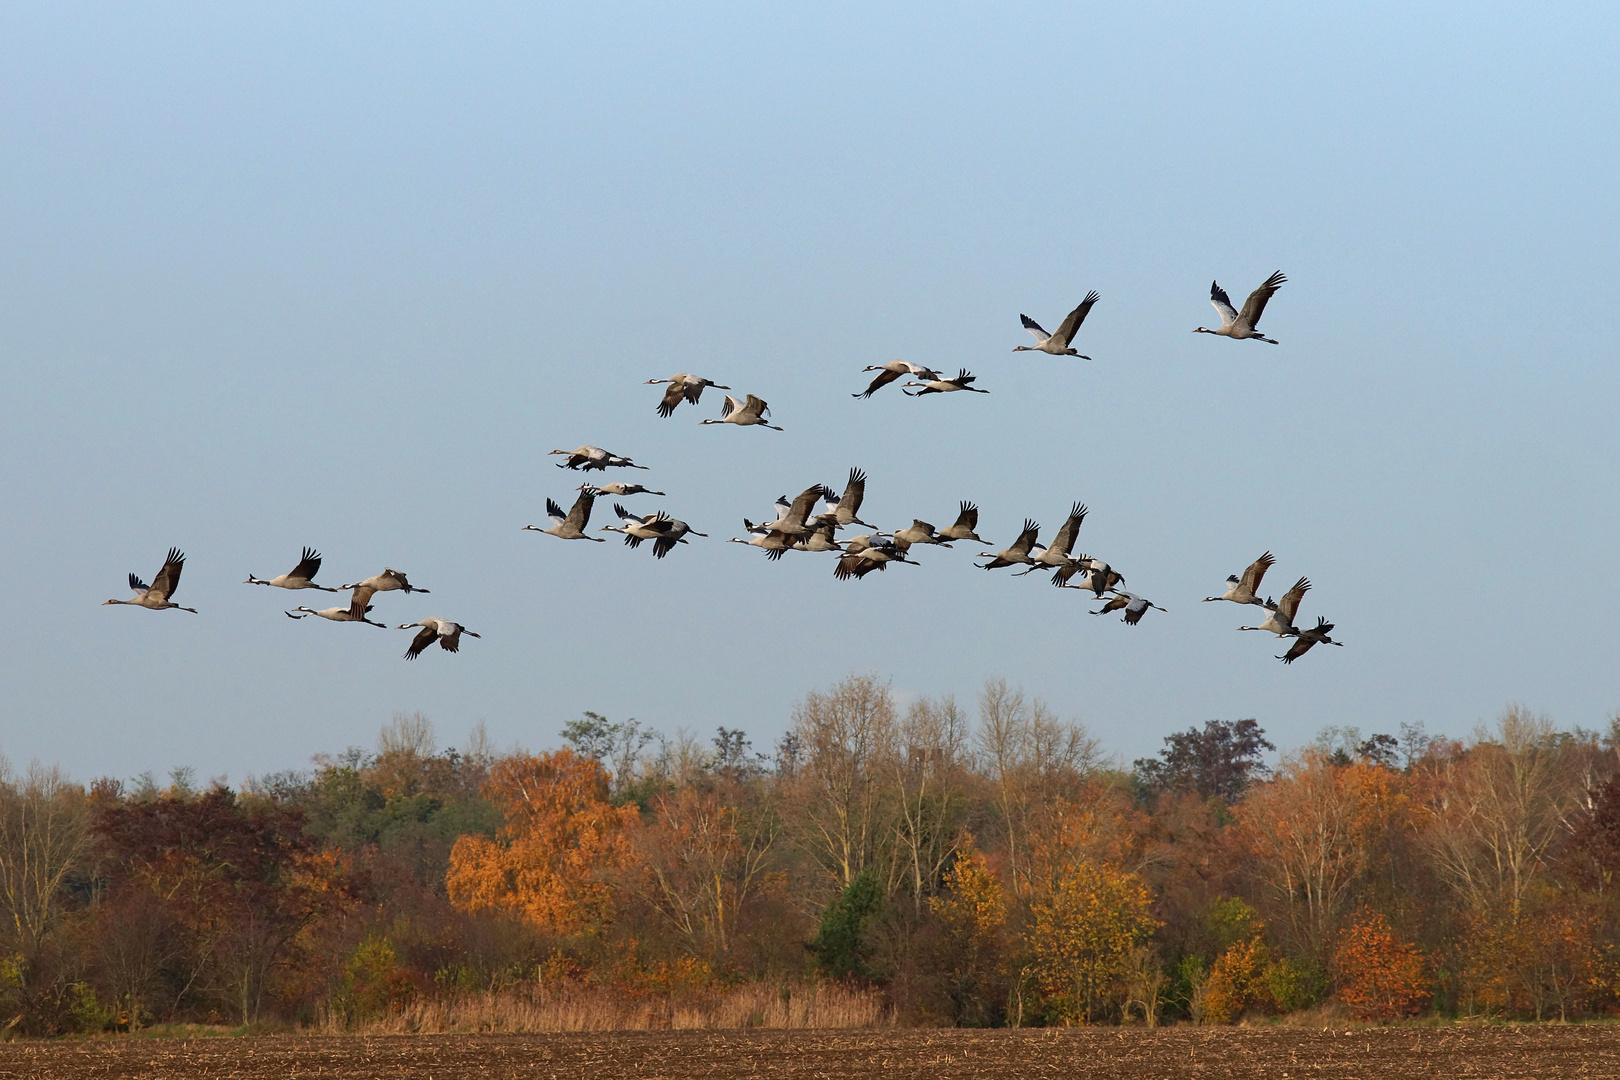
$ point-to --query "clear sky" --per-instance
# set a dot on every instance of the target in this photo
(275, 275)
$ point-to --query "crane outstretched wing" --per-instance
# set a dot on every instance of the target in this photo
(422, 640)
(168, 578)
(1256, 571)
(308, 565)
(1255, 305)
(1071, 324)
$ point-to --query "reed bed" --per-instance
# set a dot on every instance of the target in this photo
(543, 1008)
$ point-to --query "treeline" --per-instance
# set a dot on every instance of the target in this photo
(992, 870)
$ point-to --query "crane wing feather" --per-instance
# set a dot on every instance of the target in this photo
(1223, 304)
(1027, 538)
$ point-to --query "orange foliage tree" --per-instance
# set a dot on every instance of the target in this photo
(1378, 975)
(1095, 825)
(546, 862)
(1548, 961)
(1315, 831)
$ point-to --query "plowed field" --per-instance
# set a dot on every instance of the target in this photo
(1131, 1054)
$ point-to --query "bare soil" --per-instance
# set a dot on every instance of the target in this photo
(1452, 1053)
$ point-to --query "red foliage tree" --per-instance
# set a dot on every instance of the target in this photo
(219, 893)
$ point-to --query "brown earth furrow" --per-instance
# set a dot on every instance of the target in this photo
(1094, 1054)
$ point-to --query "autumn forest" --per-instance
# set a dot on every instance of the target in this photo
(936, 864)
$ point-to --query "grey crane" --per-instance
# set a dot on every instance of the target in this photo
(1246, 589)
(796, 521)
(156, 596)
(845, 509)
(301, 576)
(1304, 639)
(1241, 324)
(875, 554)
(620, 488)
(387, 581)
(1280, 621)
(357, 611)
(944, 386)
(918, 532)
(1135, 607)
(1056, 554)
(570, 526)
(677, 534)
(891, 371)
(1095, 575)
(965, 525)
(446, 633)
(1018, 553)
(664, 531)
(1058, 344)
(821, 539)
(765, 538)
(682, 387)
(749, 412)
(586, 458)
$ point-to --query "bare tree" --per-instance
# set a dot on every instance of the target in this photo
(42, 839)
(929, 798)
(1032, 758)
(847, 736)
(1499, 806)
(705, 858)
(404, 744)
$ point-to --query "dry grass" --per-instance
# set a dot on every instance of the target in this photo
(542, 1008)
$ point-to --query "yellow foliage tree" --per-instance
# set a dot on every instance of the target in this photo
(1236, 982)
(546, 862)
(1081, 940)
(972, 912)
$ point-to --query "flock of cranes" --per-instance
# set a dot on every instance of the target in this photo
(811, 521)
(157, 597)
(1280, 614)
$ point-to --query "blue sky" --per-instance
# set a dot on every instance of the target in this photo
(283, 276)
